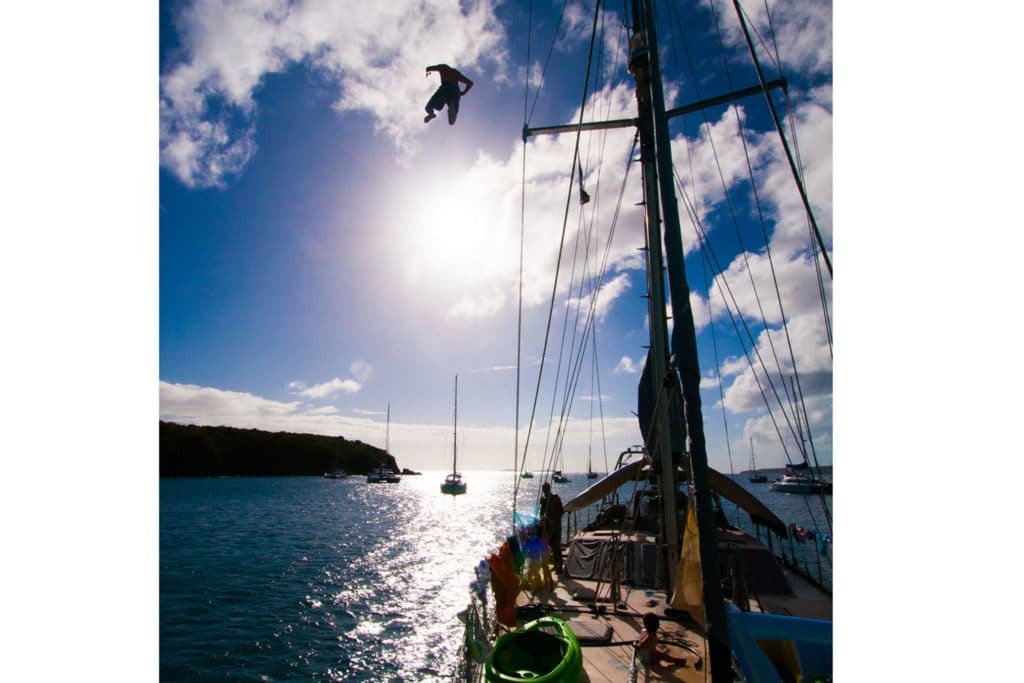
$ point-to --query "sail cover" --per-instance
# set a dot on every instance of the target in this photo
(603, 487)
(726, 487)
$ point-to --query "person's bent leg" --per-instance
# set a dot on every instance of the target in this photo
(436, 103)
(453, 109)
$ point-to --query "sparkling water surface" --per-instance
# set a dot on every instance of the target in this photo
(268, 579)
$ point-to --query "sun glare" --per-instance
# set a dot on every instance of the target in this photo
(453, 239)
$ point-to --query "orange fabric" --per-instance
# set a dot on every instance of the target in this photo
(505, 584)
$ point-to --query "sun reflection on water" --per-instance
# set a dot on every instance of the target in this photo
(329, 580)
(402, 592)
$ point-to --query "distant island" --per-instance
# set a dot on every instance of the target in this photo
(194, 451)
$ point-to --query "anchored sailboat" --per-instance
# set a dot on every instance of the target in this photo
(383, 474)
(730, 602)
(755, 476)
(453, 483)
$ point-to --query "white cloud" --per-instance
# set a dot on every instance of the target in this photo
(743, 395)
(803, 29)
(699, 306)
(192, 404)
(189, 403)
(470, 306)
(765, 434)
(606, 296)
(334, 386)
(628, 366)
(360, 411)
(323, 410)
(361, 371)
(374, 52)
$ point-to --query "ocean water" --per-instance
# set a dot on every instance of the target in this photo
(270, 579)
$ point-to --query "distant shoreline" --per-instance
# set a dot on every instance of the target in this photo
(200, 451)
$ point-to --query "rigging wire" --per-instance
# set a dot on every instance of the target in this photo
(771, 415)
(547, 60)
(714, 345)
(725, 191)
(597, 273)
(561, 242)
(791, 119)
(764, 234)
(588, 326)
(694, 217)
(556, 452)
(516, 465)
(798, 393)
(797, 398)
(785, 145)
(600, 402)
(709, 253)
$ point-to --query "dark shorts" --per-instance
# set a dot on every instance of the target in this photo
(447, 94)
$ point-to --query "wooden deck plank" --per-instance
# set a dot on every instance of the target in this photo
(611, 663)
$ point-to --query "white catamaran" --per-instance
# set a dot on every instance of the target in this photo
(732, 603)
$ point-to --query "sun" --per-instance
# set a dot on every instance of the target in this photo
(454, 238)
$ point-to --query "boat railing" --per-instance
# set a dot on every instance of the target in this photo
(792, 561)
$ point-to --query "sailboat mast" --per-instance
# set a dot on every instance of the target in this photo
(387, 431)
(660, 443)
(455, 441)
(684, 348)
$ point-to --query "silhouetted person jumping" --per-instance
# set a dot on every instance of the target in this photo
(447, 94)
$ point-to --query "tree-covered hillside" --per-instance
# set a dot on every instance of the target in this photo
(192, 451)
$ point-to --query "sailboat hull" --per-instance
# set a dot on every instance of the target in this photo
(453, 489)
(783, 486)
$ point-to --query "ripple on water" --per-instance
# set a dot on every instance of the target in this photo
(317, 579)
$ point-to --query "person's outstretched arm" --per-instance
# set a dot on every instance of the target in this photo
(469, 83)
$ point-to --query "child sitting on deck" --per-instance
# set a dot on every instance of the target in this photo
(648, 651)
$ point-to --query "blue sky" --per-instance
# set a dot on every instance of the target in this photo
(324, 253)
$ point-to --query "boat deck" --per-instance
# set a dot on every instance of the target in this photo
(612, 659)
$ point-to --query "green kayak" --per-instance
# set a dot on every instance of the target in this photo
(543, 651)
